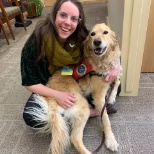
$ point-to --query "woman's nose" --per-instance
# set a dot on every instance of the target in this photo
(68, 20)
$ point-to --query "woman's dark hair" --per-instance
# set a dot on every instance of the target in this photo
(49, 24)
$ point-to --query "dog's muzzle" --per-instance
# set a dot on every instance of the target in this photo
(99, 47)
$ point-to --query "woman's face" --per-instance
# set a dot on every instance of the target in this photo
(66, 21)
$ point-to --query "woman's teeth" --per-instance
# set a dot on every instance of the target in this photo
(65, 29)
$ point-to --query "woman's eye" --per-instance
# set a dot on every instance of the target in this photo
(74, 19)
(93, 33)
(105, 32)
(63, 15)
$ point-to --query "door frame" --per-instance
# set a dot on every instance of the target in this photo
(135, 22)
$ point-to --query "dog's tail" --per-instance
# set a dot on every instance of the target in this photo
(51, 122)
(60, 134)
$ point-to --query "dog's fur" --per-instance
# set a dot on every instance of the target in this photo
(102, 51)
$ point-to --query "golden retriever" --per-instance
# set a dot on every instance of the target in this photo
(101, 51)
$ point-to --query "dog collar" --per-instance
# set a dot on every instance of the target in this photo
(93, 73)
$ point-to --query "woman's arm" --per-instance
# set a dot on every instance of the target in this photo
(64, 99)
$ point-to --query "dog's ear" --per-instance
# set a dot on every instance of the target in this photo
(114, 38)
(85, 41)
(87, 46)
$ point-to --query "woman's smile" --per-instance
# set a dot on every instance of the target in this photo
(65, 29)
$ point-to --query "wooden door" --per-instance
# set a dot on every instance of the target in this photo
(49, 2)
(148, 56)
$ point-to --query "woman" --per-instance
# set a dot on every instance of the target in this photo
(55, 42)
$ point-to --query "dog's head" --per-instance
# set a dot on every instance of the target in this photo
(100, 39)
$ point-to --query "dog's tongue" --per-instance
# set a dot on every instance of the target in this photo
(97, 50)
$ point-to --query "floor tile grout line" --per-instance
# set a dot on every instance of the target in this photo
(19, 139)
(6, 132)
(2, 126)
(129, 140)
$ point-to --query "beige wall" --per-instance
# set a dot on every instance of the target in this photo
(115, 15)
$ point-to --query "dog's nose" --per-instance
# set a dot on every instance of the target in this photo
(97, 42)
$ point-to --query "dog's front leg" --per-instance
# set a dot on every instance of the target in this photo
(113, 95)
(99, 100)
(110, 140)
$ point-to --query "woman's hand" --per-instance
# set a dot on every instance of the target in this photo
(111, 76)
(64, 99)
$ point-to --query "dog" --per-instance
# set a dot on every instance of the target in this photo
(101, 51)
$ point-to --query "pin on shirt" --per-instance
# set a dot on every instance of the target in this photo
(71, 45)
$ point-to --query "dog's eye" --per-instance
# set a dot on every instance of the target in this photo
(105, 32)
(93, 33)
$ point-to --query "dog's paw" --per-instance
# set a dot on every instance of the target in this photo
(111, 143)
(112, 100)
